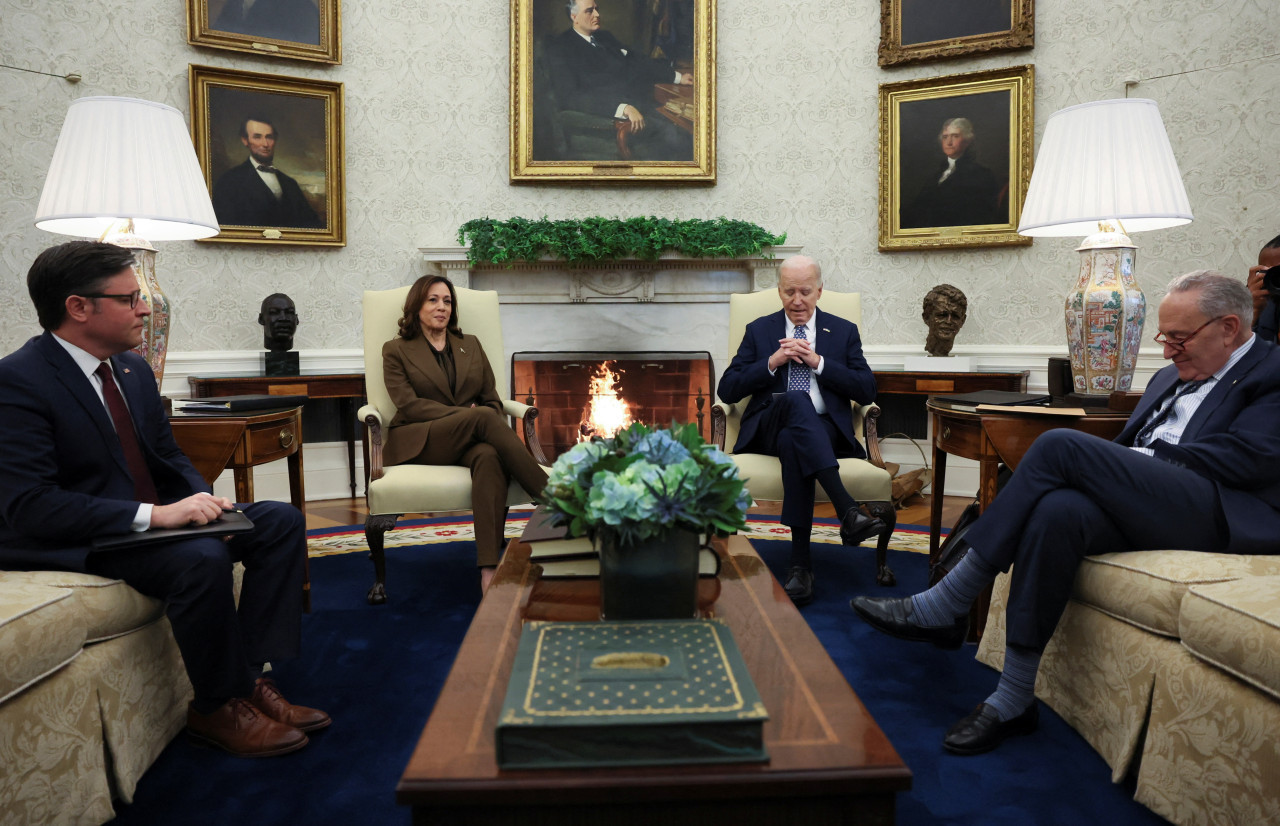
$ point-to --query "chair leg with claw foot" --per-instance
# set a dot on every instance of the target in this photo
(374, 529)
(884, 511)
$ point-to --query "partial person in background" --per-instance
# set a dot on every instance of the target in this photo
(1266, 310)
(256, 193)
(448, 411)
(802, 368)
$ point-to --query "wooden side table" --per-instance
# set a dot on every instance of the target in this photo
(347, 388)
(240, 441)
(991, 438)
(928, 384)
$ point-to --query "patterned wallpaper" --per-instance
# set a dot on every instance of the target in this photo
(426, 149)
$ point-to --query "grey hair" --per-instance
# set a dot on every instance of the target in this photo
(802, 261)
(963, 124)
(1219, 294)
(571, 8)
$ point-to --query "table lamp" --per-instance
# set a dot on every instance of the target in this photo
(1104, 169)
(125, 170)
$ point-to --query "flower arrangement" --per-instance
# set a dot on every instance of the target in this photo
(643, 482)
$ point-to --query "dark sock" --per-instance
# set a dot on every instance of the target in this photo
(1016, 690)
(800, 546)
(947, 601)
(840, 498)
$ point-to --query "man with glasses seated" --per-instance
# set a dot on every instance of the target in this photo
(1197, 467)
(86, 451)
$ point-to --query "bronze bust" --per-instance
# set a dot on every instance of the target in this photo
(945, 309)
(279, 320)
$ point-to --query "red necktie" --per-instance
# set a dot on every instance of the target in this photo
(143, 487)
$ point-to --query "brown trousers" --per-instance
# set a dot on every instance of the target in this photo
(479, 438)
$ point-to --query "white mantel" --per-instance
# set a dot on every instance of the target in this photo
(673, 303)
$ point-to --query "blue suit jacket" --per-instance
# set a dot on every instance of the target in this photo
(1233, 440)
(845, 376)
(63, 475)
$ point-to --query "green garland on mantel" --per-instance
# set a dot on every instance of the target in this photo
(611, 239)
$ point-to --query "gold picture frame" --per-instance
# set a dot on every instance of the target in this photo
(240, 120)
(564, 126)
(913, 31)
(955, 159)
(295, 29)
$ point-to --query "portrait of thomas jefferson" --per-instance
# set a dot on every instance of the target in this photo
(953, 160)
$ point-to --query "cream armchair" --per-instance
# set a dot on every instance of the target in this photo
(867, 480)
(402, 489)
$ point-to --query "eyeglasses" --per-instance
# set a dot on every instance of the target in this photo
(132, 297)
(1180, 344)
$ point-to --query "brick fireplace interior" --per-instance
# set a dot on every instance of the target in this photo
(659, 388)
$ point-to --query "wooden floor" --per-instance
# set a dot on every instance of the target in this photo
(335, 512)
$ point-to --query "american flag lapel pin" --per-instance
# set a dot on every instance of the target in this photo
(127, 370)
(825, 330)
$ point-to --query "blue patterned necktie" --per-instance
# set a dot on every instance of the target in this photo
(798, 372)
(1144, 435)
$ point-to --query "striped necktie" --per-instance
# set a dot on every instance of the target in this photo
(1162, 415)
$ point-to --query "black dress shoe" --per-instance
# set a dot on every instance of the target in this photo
(982, 730)
(799, 585)
(893, 616)
(856, 527)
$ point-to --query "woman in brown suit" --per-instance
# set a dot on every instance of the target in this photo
(448, 411)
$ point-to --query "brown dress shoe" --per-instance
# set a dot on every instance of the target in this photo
(240, 728)
(272, 703)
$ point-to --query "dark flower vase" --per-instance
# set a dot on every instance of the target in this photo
(654, 579)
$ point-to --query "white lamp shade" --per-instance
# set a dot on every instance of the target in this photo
(1109, 159)
(125, 158)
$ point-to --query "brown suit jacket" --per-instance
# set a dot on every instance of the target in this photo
(420, 390)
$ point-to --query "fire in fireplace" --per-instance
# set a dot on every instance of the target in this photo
(579, 395)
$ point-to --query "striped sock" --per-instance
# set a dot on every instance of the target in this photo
(1016, 690)
(950, 599)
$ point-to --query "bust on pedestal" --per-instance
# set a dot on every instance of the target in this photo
(279, 320)
(945, 310)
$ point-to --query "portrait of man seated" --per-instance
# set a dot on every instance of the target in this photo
(594, 94)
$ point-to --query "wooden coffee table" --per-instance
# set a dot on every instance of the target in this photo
(829, 761)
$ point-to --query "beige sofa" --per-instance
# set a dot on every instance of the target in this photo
(92, 689)
(1168, 664)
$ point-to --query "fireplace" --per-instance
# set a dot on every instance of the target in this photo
(656, 387)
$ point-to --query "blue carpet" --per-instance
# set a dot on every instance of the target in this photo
(378, 671)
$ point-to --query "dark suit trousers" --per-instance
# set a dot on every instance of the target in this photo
(1075, 495)
(805, 442)
(219, 643)
(480, 439)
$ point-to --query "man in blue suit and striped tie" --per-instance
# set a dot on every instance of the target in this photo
(802, 369)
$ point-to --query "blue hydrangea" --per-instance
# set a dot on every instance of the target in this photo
(660, 449)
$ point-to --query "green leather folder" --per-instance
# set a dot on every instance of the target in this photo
(627, 694)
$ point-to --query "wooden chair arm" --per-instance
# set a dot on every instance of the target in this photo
(871, 435)
(528, 415)
(372, 419)
(719, 423)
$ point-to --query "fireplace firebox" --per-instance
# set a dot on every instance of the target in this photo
(652, 387)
